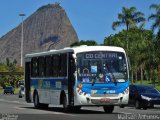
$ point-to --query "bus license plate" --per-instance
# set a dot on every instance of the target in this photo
(104, 100)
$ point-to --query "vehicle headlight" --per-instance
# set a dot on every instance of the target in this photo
(126, 91)
(145, 97)
(120, 80)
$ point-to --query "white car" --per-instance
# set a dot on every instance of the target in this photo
(21, 91)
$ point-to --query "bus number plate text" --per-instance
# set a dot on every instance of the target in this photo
(104, 100)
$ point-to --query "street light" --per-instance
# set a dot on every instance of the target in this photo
(22, 15)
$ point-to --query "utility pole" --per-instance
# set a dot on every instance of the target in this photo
(22, 15)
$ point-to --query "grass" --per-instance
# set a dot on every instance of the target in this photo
(1, 90)
(147, 82)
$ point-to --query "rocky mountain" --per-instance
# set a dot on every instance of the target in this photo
(47, 28)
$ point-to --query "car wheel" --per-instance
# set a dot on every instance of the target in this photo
(108, 108)
(20, 96)
(137, 105)
(151, 105)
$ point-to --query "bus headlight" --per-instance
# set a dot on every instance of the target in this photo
(80, 86)
(126, 91)
(120, 80)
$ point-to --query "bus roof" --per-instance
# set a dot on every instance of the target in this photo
(77, 49)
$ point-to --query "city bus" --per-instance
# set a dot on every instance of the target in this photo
(77, 77)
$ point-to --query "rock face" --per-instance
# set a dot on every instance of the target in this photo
(47, 28)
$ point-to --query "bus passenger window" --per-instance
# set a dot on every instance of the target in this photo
(55, 65)
(41, 66)
(48, 62)
(34, 66)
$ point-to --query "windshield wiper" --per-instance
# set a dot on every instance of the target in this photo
(94, 80)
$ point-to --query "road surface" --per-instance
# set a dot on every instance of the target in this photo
(12, 107)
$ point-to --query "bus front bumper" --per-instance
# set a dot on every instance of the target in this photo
(100, 101)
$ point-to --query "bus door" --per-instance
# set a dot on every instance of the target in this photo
(27, 81)
(71, 79)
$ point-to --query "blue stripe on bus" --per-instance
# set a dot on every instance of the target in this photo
(49, 83)
(102, 88)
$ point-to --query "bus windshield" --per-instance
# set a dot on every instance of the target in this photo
(101, 67)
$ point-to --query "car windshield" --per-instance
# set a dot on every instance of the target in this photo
(101, 67)
(22, 88)
(8, 88)
(147, 89)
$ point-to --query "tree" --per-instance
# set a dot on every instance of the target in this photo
(87, 42)
(140, 46)
(155, 16)
(129, 18)
(156, 25)
(10, 67)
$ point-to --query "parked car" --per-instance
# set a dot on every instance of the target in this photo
(20, 82)
(21, 91)
(143, 96)
(9, 89)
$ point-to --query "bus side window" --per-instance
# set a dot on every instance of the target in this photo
(41, 66)
(63, 65)
(34, 66)
(55, 65)
(48, 62)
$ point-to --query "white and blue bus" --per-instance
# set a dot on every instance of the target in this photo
(77, 77)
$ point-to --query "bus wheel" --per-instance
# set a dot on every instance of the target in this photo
(44, 106)
(75, 108)
(65, 106)
(108, 108)
(36, 100)
(121, 106)
(38, 105)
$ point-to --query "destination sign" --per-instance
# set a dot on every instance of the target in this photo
(106, 55)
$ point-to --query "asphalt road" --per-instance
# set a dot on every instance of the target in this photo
(13, 108)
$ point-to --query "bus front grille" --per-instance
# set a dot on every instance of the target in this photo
(104, 95)
(98, 102)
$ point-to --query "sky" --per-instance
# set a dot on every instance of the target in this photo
(91, 19)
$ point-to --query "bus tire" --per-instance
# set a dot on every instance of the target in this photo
(75, 108)
(38, 105)
(65, 106)
(108, 108)
(36, 100)
(121, 106)
(44, 106)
